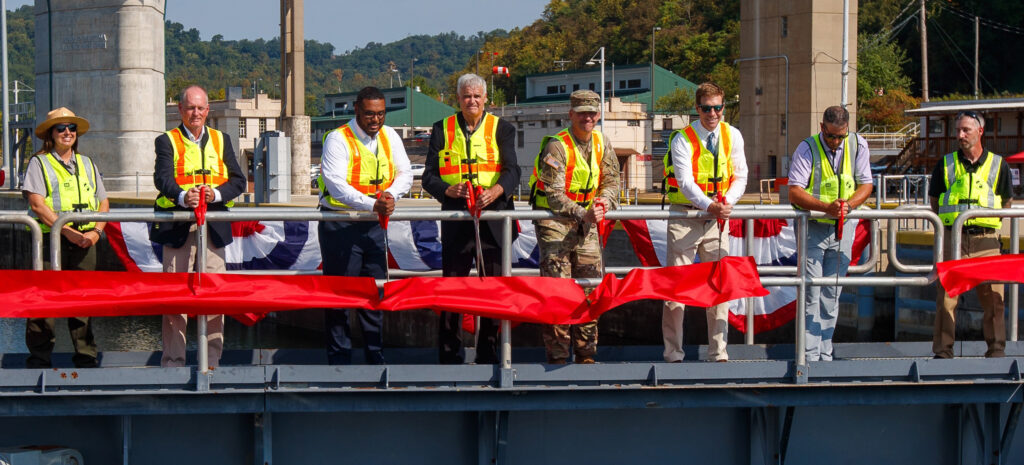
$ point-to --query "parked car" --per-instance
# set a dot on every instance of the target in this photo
(417, 170)
(314, 172)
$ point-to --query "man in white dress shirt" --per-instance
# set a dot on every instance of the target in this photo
(706, 170)
(364, 167)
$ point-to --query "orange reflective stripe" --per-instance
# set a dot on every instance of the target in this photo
(694, 153)
(215, 139)
(672, 181)
(179, 149)
(449, 129)
(452, 169)
(570, 158)
(354, 163)
(489, 122)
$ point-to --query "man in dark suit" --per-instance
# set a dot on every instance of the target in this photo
(476, 146)
(188, 158)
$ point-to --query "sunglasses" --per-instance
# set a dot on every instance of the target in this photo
(708, 108)
(969, 114)
(374, 114)
(64, 126)
(833, 136)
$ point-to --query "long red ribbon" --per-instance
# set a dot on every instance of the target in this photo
(959, 276)
(525, 299)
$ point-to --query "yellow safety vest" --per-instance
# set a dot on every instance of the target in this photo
(368, 172)
(193, 166)
(965, 191)
(581, 175)
(703, 163)
(482, 164)
(69, 192)
(823, 183)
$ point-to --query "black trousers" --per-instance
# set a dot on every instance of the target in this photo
(458, 254)
(40, 337)
(353, 248)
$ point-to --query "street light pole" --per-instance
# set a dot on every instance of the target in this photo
(651, 110)
(592, 61)
(412, 89)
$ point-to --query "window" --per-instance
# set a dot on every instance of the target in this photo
(633, 84)
(561, 89)
(339, 105)
(785, 26)
(552, 90)
(575, 87)
(622, 84)
(263, 125)
(397, 100)
(241, 128)
(592, 86)
(633, 123)
(666, 124)
(607, 85)
(544, 124)
(520, 135)
(558, 123)
(782, 125)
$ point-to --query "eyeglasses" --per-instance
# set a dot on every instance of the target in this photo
(373, 114)
(826, 135)
(63, 126)
(708, 108)
(970, 114)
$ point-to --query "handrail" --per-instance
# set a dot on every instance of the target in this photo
(20, 217)
(790, 276)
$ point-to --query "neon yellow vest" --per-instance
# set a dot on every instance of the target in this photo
(970, 190)
(703, 163)
(482, 166)
(367, 172)
(69, 192)
(581, 175)
(824, 184)
(192, 168)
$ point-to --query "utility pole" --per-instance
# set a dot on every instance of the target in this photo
(924, 55)
(976, 46)
(846, 53)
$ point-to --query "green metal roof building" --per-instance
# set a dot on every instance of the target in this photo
(423, 112)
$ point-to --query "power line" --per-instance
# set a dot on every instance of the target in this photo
(987, 22)
(951, 44)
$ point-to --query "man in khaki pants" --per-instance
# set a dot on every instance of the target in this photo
(971, 178)
(705, 170)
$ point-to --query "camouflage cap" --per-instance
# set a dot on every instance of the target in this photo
(585, 100)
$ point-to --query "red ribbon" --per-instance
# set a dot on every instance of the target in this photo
(959, 276)
(38, 294)
(201, 207)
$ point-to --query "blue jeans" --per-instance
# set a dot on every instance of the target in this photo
(823, 259)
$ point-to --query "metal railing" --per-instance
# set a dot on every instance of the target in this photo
(792, 276)
(20, 217)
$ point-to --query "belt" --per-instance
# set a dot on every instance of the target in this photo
(975, 230)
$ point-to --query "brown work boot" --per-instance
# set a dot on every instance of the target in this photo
(585, 359)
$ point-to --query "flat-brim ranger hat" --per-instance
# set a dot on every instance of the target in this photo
(61, 115)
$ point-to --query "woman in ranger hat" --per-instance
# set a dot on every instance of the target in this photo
(59, 179)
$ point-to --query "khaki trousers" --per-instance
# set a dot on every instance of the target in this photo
(180, 260)
(990, 295)
(687, 239)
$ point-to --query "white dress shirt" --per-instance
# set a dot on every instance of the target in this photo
(682, 159)
(334, 167)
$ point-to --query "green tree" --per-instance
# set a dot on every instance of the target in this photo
(880, 67)
(678, 102)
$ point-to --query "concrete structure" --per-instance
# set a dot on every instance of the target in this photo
(808, 33)
(244, 119)
(294, 121)
(104, 59)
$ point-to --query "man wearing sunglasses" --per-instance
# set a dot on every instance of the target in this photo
(705, 170)
(830, 172)
(970, 178)
(364, 167)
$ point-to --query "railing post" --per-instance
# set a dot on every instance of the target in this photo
(800, 370)
(748, 303)
(203, 353)
(506, 328)
(1014, 249)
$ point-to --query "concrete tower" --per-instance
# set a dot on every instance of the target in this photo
(809, 34)
(104, 60)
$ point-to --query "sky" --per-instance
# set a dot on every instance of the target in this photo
(347, 24)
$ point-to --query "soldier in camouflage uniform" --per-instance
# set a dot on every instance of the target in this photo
(579, 183)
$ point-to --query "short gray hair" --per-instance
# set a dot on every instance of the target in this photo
(836, 116)
(470, 80)
(971, 114)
